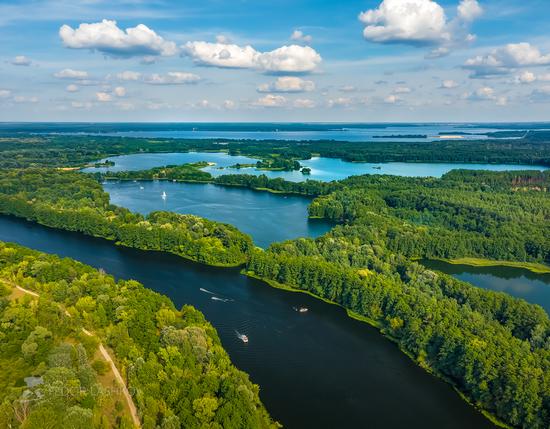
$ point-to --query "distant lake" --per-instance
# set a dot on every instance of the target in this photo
(323, 169)
(521, 283)
(353, 132)
(265, 216)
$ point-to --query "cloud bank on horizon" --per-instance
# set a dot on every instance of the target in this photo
(390, 60)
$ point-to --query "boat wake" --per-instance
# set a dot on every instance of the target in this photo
(206, 291)
(215, 298)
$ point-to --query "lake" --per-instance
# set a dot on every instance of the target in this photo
(354, 132)
(319, 370)
(518, 282)
(266, 217)
(323, 169)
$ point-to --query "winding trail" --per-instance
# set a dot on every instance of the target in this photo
(106, 356)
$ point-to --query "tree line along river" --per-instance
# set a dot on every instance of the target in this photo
(320, 369)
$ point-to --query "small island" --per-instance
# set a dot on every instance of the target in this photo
(402, 136)
(102, 164)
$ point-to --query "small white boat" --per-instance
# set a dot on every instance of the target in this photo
(301, 309)
(141, 187)
(242, 337)
(163, 196)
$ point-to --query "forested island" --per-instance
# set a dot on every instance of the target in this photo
(493, 348)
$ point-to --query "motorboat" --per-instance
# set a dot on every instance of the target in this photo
(242, 337)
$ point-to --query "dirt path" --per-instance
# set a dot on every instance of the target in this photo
(118, 376)
(108, 358)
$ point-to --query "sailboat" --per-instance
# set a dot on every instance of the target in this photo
(163, 196)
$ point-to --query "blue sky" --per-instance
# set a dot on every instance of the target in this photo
(302, 60)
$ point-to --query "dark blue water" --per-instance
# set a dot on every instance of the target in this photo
(266, 217)
(324, 169)
(318, 370)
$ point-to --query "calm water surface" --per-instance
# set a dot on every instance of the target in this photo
(266, 217)
(521, 283)
(324, 169)
(318, 370)
(381, 132)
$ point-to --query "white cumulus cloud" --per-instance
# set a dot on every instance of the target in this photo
(469, 10)
(72, 88)
(486, 93)
(108, 38)
(505, 59)
(71, 74)
(288, 84)
(21, 60)
(407, 21)
(392, 99)
(448, 84)
(5, 93)
(120, 91)
(526, 77)
(271, 100)
(103, 96)
(128, 75)
(286, 59)
(299, 36)
(171, 78)
(420, 23)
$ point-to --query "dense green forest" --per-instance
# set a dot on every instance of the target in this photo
(27, 150)
(500, 216)
(76, 202)
(180, 173)
(173, 361)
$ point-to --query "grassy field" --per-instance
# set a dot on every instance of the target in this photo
(476, 262)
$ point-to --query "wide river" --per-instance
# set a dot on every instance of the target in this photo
(317, 370)
(324, 169)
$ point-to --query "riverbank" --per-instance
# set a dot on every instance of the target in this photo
(322, 338)
(373, 323)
